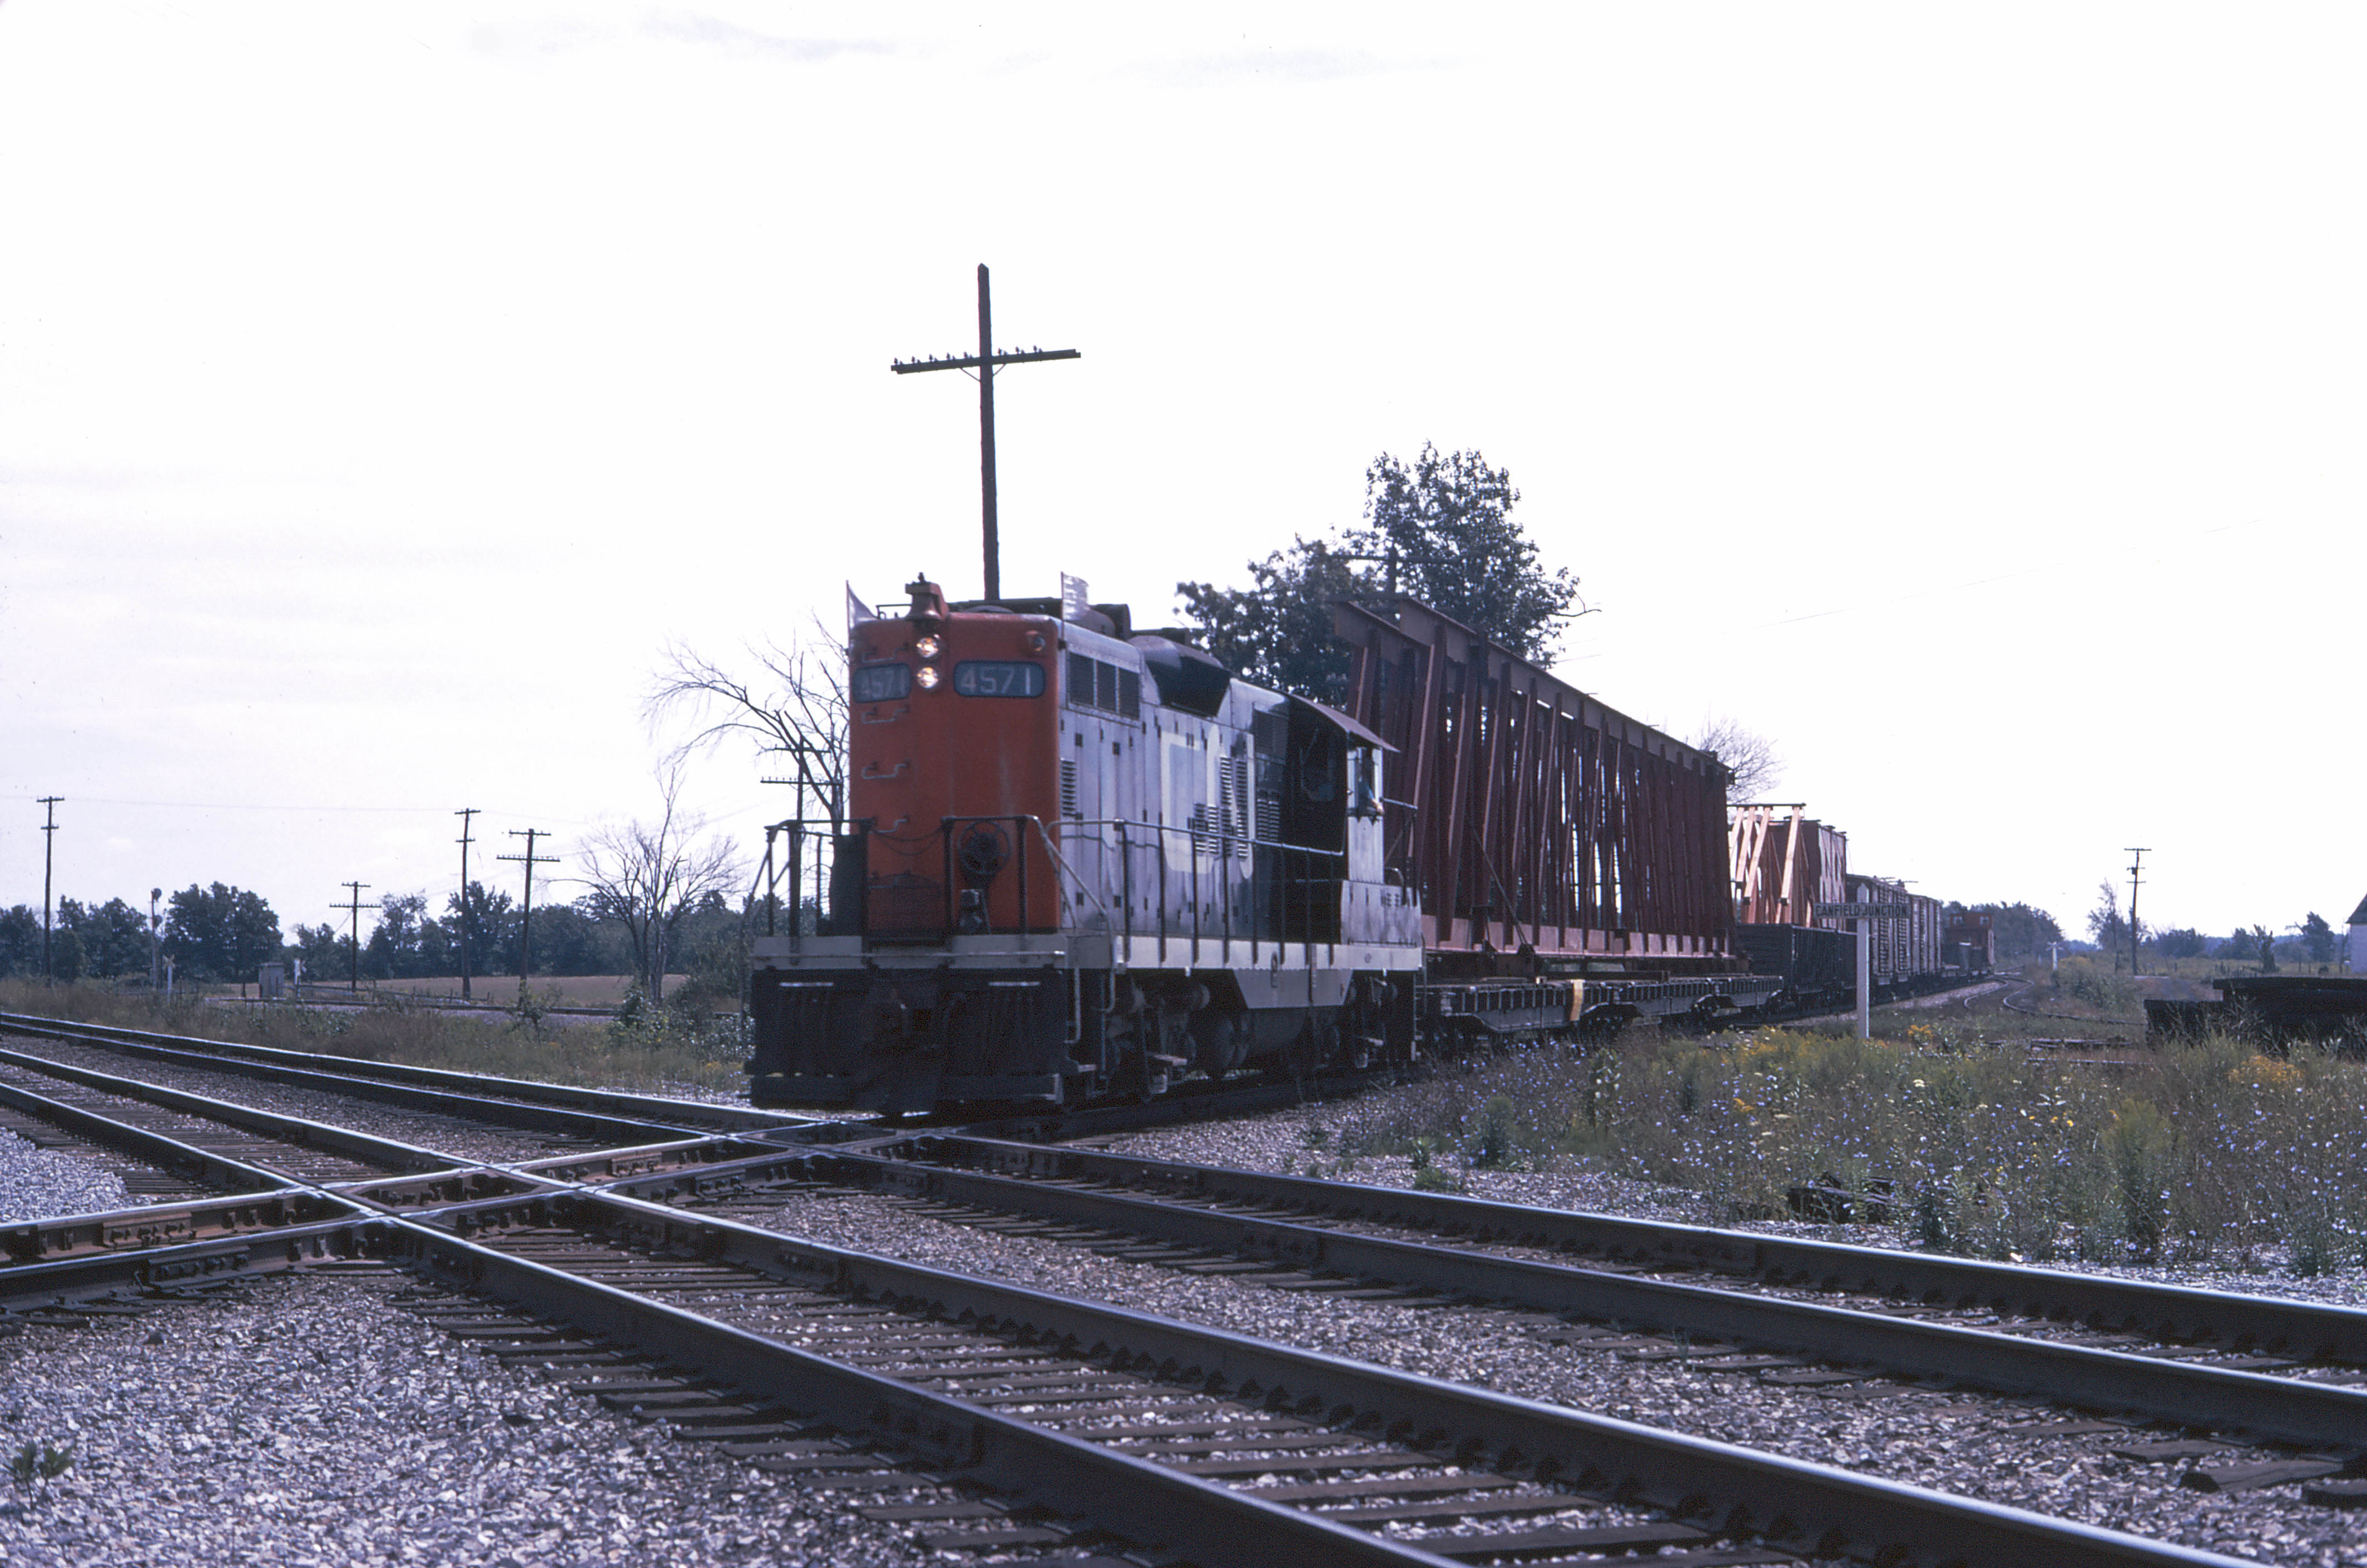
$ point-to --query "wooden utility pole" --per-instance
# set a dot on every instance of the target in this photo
(353, 977)
(984, 363)
(526, 921)
(467, 814)
(48, 803)
(2132, 909)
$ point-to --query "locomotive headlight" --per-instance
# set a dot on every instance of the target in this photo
(927, 677)
(926, 648)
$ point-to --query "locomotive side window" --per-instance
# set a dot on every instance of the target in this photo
(879, 683)
(999, 678)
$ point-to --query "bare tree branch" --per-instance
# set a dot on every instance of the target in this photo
(646, 879)
(1748, 756)
(794, 703)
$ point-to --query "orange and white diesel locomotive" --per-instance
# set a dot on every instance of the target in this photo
(1076, 862)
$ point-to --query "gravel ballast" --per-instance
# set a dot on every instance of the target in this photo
(314, 1421)
(41, 1184)
(310, 1421)
(1951, 1442)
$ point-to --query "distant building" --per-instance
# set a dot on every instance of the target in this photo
(2356, 949)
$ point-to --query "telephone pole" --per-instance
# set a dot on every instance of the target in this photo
(155, 946)
(467, 815)
(984, 363)
(525, 921)
(48, 803)
(353, 977)
(2133, 908)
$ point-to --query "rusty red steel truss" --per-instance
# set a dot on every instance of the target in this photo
(1529, 814)
(1784, 869)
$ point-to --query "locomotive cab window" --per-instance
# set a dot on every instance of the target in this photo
(879, 683)
(999, 678)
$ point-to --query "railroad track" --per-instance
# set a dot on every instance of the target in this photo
(580, 1113)
(2241, 1370)
(997, 1418)
(2009, 1001)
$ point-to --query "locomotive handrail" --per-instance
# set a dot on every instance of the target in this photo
(1225, 841)
(1229, 838)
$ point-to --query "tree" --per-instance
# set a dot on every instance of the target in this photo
(325, 951)
(20, 940)
(646, 878)
(1448, 519)
(2183, 941)
(220, 933)
(569, 941)
(796, 702)
(1277, 632)
(487, 923)
(2317, 938)
(405, 943)
(1445, 525)
(1752, 763)
(100, 941)
(2105, 922)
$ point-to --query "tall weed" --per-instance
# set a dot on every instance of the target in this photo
(2205, 1151)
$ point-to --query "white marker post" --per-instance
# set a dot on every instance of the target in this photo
(1865, 915)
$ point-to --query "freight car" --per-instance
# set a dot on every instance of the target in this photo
(1783, 868)
(1078, 862)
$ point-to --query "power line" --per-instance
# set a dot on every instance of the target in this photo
(282, 808)
(48, 803)
(2140, 854)
(985, 361)
(525, 921)
(353, 979)
(467, 815)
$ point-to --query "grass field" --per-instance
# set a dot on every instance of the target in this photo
(659, 1052)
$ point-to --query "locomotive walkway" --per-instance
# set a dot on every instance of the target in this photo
(995, 1417)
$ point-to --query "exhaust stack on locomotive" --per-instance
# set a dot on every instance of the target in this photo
(1077, 863)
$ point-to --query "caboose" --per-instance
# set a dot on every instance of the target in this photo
(1077, 863)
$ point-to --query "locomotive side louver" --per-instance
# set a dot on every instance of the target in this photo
(1069, 789)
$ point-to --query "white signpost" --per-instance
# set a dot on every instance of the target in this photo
(1865, 915)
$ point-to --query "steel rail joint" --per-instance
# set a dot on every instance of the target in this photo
(2305, 1329)
(1130, 1497)
(161, 1266)
(1843, 1513)
(2272, 1407)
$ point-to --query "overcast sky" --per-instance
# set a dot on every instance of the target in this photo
(1968, 399)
